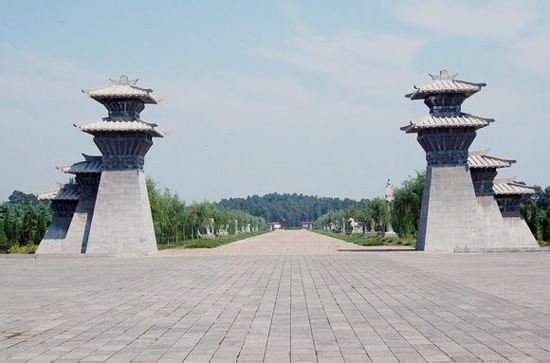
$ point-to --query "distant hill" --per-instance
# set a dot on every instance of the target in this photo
(291, 208)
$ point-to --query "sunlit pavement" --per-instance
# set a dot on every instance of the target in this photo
(283, 296)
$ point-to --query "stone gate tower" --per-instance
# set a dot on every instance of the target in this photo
(508, 194)
(122, 222)
(450, 217)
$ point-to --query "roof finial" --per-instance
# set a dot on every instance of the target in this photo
(443, 75)
(124, 81)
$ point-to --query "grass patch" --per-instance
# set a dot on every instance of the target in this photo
(377, 240)
(23, 249)
(208, 243)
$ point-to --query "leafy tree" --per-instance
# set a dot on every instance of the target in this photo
(546, 226)
(373, 213)
(20, 199)
(407, 204)
(4, 243)
(24, 220)
(291, 208)
(173, 220)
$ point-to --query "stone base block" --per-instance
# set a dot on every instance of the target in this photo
(497, 232)
(79, 229)
(54, 241)
(122, 224)
(450, 217)
(454, 219)
(390, 235)
(519, 230)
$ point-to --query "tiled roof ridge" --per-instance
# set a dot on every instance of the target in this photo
(511, 179)
(480, 159)
(108, 125)
(122, 88)
(445, 83)
(91, 165)
(479, 152)
(509, 186)
(452, 120)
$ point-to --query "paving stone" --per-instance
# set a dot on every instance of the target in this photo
(283, 296)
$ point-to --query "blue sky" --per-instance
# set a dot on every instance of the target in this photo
(270, 96)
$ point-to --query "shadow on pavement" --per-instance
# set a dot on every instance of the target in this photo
(378, 250)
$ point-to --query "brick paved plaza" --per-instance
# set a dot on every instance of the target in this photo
(284, 296)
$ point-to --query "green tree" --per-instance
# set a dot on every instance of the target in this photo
(535, 221)
(4, 243)
(407, 205)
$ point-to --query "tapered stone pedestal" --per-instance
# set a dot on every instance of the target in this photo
(519, 231)
(508, 196)
(450, 217)
(64, 203)
(54, 240)
(122, 222)
(79, 230)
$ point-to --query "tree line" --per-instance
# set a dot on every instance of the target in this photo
(405, 214)
(536, 212)
(291, 209)
(373, 214)
(23, 221)
(173, 220)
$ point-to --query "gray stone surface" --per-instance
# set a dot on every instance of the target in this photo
(54, 239)
(518, 230)
(451, 217)
(498, 233)
(251, 302)
(79, 230)
(122, 223)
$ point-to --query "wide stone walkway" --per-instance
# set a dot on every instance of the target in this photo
(284, 296)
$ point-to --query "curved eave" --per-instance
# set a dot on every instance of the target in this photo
(143, 98)
(445, 86)
(49, 195)
(64, 169)
(122, 91)
(105, 125)
(70, 194)
(83, 167)
(422, 94)
(481, 161)
(92, 157)
(444, 122)
(511, 188)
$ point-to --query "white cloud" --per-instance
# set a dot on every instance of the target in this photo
(489, 19)
(357, 60)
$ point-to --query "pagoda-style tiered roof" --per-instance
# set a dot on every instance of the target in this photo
(106, 125)
(91, 165)
(49, 195)
(445, 83)
(480, 160)
(461, 120)
(65, 192)
(122, 88)
(502, 187)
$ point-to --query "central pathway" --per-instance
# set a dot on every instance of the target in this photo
(281, 242)
(287, 296)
